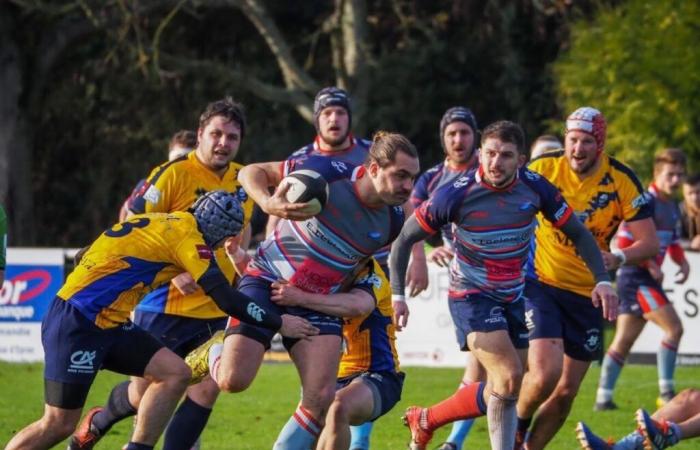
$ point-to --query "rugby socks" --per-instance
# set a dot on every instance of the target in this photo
(609, 373)
(503, 421)
(524, 424)
(633, 441)
(466, 403)
(359, 436)
(186, 425)
(117, 408)
(460, 429)
(137, 446)
(214, 360)
(301, 431)
(459, 433)
(666, 365)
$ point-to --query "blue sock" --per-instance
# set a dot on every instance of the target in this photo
(187, 424)
(117, 408)
(666, 365)
(137, 446)
(633, 441)
(609, 373)
(460, 431)
(359, 436)
(300, 431)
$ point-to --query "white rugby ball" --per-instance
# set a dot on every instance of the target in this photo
(307, 186)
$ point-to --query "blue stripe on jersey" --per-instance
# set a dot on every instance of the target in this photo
(101, 293)
(155, 300)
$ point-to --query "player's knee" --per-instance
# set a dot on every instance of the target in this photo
(59, 427)
(338, 412)
(565, 393)
(543, 380)
(508, 382)
(689, 398)
(234, 383)
(675, 333)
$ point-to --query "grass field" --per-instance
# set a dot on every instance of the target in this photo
(251, 421)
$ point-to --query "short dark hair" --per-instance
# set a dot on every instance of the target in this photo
(226, 107)
(183, 138)
(692, 180)
(386, 145)
(673, 156)
(506, 131)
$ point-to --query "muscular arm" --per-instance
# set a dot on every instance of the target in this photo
(355, 303)
(401, 251)
(645, 246)
(586, 247)
(256, 179)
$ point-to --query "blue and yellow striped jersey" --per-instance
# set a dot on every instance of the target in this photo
(133, 258)
(369, 341)
(601, 202)
(174, 186)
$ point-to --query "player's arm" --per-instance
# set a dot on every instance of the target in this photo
(417, 279)
(411, 233)
(242, 307)
(236, 254)
(257, 179)
(645, 245)
(357, 302)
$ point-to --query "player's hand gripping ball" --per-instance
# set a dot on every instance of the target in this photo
(307, 186)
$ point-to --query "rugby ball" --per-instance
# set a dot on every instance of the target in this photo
(307, 186)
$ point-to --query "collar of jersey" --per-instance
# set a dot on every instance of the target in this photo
(478, 176)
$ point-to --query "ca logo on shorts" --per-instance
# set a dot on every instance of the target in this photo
(83, 360)
(255, 311)
(529, 322)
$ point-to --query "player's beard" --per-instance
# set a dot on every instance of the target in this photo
(334, 142)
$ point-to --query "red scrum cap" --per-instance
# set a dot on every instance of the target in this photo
(591, 121)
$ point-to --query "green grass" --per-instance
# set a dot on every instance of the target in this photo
(251, 420)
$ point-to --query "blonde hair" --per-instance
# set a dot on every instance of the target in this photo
(385, 146)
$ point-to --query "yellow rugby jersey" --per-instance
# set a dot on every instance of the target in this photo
(369, 341)
(601, 202)
(174, 186)
(130, 260)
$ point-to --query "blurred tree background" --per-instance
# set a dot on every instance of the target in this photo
(91, 90)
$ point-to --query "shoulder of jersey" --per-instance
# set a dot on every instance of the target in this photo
(435, 168)
(303, 151)
(364, 143)
(530, 175)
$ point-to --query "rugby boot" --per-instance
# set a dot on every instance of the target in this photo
(657, 434)
(589, 440)
(86, 435)
(420, 437)
(198, 359)
(607, 405)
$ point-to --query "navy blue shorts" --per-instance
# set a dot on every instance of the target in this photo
(259, 289)
(386, 389)
(75, 349)
(483, 314)
(179, 334)
(560, 314)
(639, 293)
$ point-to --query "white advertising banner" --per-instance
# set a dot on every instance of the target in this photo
(686, 300)
(32, 278)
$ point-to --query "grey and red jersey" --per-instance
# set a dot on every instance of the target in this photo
(318, 254)
(493, 230)
(667, 218)
(431, 180)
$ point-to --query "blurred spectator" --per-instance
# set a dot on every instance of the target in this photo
(182, 142)
(690, 212)
(546, 143)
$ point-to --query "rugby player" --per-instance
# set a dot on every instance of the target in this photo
(493, 211)
(677, 420)
(181, 315)
(458, 131)
(565, 327)
(317, 255)
(87, 327)
(642, 297)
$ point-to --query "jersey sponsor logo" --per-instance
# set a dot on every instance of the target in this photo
(204, 251)
(530, 175)
(317, 233)
(503, 269)
(255, 312)
(340, 166)
(152, 193)
(372, 279)
(641, 200)
(82, 361)
(461, 182)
